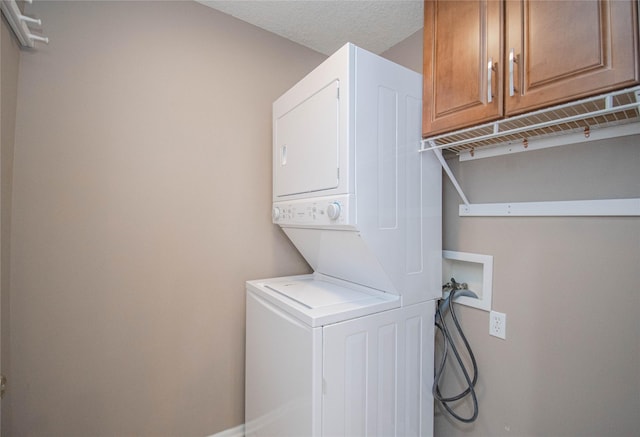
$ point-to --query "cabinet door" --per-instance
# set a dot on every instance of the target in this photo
(564, 50)
(462, 64)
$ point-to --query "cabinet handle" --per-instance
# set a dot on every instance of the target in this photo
(489, 81)
(512, 60)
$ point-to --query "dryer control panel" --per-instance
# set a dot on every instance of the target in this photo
(328, 211)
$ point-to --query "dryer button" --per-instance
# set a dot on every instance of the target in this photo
(275, 213)
(333, 210)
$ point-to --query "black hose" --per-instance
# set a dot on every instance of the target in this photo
(448, 343)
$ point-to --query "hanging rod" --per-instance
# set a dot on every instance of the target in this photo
(18, 23)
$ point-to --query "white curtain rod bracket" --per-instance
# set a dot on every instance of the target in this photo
(30, 20)
(18, 23)
(39, 38)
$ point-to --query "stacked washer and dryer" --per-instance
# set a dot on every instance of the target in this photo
(348, 350)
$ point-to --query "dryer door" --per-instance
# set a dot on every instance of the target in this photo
(306, 144)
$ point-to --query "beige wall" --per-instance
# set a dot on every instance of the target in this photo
(9, 90)
(141, 205)
(408, 52)
(570, 365)
(142, 198)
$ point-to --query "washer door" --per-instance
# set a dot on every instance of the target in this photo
(283, 381)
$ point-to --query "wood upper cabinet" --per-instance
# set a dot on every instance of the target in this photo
(462, 63)
(568, 49)
(544, 53)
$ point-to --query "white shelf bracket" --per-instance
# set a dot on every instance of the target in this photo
(452, 178)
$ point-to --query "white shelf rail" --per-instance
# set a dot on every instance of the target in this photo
(611, 115)
(567, 208)
(18, 23)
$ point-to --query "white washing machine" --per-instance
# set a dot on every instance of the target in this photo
(348, 350)
(325, 357)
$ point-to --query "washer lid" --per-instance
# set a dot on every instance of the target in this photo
(316, 294)
(318, 300)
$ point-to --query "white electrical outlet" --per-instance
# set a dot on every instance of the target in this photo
(498, 324)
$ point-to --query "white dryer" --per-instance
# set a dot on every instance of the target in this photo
(348, 350)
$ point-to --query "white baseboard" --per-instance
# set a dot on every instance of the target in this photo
(237, 431)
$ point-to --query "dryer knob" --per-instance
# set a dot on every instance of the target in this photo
(275, 213)
(333, 210)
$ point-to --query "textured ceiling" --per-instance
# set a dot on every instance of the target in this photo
(326, 25)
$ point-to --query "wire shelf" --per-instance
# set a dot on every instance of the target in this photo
(611, 109)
